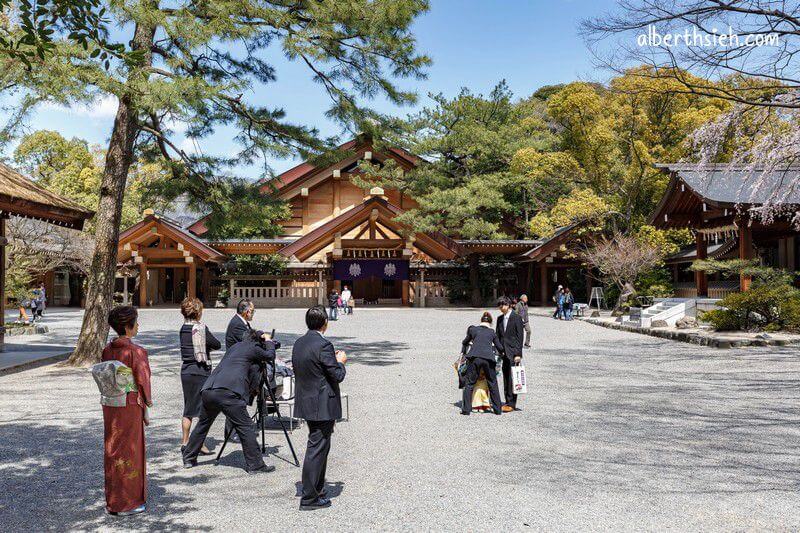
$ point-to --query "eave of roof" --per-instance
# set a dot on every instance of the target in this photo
(22, 197)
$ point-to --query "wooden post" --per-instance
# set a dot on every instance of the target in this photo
(143, 283)
(474, 266)
(191, 283)
(321, 289)
(206, 286)
(745, 252)
(404, 294)
(700, 277)
(3, 241)
(543, 281)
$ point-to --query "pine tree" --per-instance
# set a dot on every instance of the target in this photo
(197, 63)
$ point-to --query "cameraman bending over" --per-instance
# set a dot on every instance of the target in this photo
(318, 370)
(227, 390)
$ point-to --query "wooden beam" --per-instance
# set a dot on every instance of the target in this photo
(162, 253)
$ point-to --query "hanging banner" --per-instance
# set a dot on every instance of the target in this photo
(352, 269)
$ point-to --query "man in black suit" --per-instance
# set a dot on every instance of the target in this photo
(318, 370)
(239, 326)
(511, 332)
(228, 390)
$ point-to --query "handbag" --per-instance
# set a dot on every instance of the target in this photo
(519, 383)
(461, 365)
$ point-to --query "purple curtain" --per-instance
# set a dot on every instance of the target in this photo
(352, 269)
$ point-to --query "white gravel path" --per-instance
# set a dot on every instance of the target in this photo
(619, 432)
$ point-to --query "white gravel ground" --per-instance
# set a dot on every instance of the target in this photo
(619, 432)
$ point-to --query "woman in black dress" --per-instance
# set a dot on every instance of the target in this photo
(196, 344)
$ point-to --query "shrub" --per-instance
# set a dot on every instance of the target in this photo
(771, 307)
(722, 319)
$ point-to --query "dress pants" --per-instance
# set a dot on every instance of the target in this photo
(527, 334)
(508, 387)
(316, 460)
(235, 409)
(474, 367)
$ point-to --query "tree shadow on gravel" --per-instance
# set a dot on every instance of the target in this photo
(377, 353)
(51, 477)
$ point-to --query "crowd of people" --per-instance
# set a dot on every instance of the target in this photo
(36, 304)
(565, 302)
(340, 303)
(230, 385)
(227, 387)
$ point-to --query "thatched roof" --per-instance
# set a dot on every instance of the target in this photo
(22, 197)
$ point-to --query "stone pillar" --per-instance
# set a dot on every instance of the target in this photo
(125, 290)
(473, 280)
(701, 278)
(231, 286)
(143, 283)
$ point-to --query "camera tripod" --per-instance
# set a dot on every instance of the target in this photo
(260, 416)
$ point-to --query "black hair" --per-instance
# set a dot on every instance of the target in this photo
(256, 335)
(122, 318)
(316, 318)
(244, 305)
(503, 300)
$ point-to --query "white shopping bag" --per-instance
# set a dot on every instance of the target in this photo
(518, 381)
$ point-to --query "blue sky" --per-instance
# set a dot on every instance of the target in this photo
(473, 43)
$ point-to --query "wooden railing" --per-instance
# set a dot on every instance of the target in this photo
(716, 289)
(277, 296)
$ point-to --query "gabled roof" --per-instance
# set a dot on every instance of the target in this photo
(21, 196)
(306, 172)
(173, 231)
(728, 186)
(561, 236)
(715, 251)
(437, 246)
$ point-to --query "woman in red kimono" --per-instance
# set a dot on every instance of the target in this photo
(126, 483)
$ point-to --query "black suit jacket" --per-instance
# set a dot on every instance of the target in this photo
(484, 342)
(234, 372)
(237, 330)
(511, 337)
(317, 377)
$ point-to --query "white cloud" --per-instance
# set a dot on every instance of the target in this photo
(101, 109)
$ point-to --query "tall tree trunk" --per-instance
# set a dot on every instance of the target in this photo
(100, 287)
(474, 282)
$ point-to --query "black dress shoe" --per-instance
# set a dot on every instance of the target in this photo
(322, 503)
(266, 469)
(189, 464)
(465, 413)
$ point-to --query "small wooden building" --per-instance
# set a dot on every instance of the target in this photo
(20, 196)
(717, 202)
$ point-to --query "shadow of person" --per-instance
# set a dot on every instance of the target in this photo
(332, 488)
